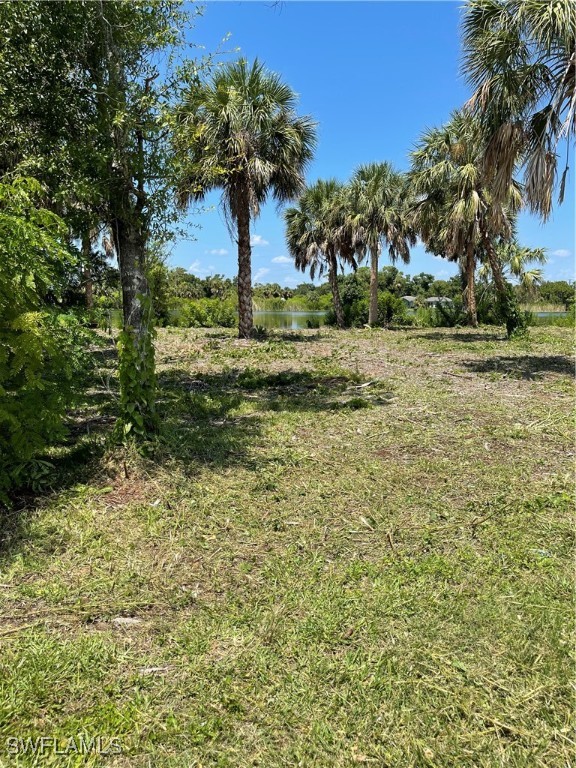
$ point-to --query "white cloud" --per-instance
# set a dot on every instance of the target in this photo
(197, 269)
(217, 252)
(258, 240)
(562, 253)
(260, 273)
(282, 260)
(290, 281)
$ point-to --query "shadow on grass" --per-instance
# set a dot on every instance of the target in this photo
(523, 366)
(72, 460)
(202, 423)
(465, 337)
(313, 335)
(200, 419)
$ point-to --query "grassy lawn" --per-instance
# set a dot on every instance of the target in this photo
(347, 548)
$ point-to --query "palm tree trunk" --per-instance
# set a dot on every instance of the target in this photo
(333, 280)
(470, 269)
(87, 270)
(373, 309)
(245, 319)
(496, 267)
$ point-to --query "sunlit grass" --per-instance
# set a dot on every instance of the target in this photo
(347, 548)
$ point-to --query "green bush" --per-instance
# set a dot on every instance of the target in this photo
(203, 313)
(42, 352)
(446, 315)
(494, 309)
(391, 311)
(449, 315)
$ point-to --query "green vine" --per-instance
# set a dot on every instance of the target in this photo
(138, 416)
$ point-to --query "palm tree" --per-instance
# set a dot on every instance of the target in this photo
(519, 56)
(378, 216)
(239, 132)
(456, 213)
(318, 237)
(517, 262)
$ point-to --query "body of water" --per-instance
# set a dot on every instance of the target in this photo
(292, 321)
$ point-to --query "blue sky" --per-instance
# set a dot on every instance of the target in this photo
(373, 75)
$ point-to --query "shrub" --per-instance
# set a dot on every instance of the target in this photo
(203, 313)
(449, 315)
(41, 349)
(391, 311)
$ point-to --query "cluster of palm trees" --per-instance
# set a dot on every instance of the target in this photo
(240, 132)
(339, 224)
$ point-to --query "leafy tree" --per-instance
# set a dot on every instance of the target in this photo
(183, 285)
(519, 57)
(217, 286)
(41, 355)
(378, 215)
(239, 132)
(421, 284)
(85, 101)
(557, 292)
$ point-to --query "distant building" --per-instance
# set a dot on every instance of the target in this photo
(410, 300)
(433, 301)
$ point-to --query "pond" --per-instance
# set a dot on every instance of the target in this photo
(292, 321)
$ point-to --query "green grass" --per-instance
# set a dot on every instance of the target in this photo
(347, 548)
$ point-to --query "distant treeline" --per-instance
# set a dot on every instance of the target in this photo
(173, 289)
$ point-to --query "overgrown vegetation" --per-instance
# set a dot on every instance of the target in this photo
(42, 356)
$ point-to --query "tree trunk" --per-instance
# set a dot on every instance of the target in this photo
(136, 347)
(245, 319)
(373, 310)
(130, 250)
(128, 207)
(333, 280)
(496, 267)
(470, 287)
(87, 270)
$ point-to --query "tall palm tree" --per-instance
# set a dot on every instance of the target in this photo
(455, 211)
(519, 56)
(318, 237)
(379, 216)
(239, 132)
